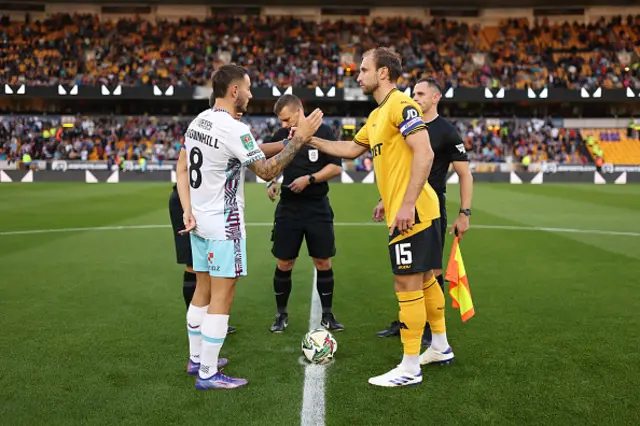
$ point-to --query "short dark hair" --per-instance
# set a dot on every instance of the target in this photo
(385, 57)
(223, 77)
(286, 100)
(431, 82)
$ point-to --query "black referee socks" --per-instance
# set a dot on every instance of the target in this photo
(325, 289)
(188, 287)
(282, 289)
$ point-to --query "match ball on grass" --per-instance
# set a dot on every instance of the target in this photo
(319, 346)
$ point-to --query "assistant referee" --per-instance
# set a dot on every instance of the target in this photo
(448, 149)
(303, 212)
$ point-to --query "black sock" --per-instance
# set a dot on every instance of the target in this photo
(440, 279)
(282, 289)
(325, 289)
(188, 287)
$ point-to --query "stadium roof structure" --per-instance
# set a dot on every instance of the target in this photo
(449, 4)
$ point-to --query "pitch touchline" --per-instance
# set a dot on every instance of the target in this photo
(266, 224)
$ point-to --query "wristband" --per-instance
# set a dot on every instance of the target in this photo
(270, 183)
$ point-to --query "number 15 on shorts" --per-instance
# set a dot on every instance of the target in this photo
(403, 254)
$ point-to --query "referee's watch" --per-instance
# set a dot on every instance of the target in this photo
(466, 212)
(312, 179)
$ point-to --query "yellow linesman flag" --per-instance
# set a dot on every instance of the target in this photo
(458, 283)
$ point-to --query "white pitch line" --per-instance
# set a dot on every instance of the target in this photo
(312, 413)
(268, 224)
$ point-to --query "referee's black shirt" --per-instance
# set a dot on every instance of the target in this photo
(447, 147)
(307, 161)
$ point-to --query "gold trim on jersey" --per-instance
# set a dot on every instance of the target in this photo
(418, 227)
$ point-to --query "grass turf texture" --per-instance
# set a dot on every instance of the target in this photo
(93, 322)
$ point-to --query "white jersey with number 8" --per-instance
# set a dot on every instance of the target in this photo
(218, 149)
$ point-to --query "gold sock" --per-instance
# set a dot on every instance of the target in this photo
(434, 302)
(413, 317)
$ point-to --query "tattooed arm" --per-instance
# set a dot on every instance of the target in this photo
(268, 169)
(271, 168)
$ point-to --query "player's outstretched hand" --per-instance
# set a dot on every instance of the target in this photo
(273, 191)
(310, 125)
(460, 226)
(404, 219)
(189, 223)
(378, 212)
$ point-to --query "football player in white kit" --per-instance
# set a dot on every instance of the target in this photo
(211, 171)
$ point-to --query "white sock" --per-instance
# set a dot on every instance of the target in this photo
(214, 330)
(195, 316)
(411, 363)
(439, 342)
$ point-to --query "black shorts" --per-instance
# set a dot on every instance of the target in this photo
(443, 217)
(420, 252)
(182, 242)
(308, 219)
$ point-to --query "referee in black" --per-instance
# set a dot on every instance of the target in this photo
(448, 149)
(183, 249)
(303, 212)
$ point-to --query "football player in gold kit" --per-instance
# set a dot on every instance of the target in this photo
(402, 156)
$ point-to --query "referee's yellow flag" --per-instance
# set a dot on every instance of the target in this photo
(458, 283)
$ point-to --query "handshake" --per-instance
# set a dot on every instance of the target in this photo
(307, 127)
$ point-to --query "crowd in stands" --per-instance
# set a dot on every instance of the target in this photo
(82, 49)
(159, 139)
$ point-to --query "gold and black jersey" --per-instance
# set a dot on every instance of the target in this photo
(384, 134)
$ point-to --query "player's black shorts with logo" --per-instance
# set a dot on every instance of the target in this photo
(182, 242)
(420, 252)
(311, 220)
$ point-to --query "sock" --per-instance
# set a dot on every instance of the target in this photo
(282, 289)
(214, 330)
(195, 317)
(411, 364)
(324, 285)
(412, 318)
(439, 342)
(188, 287)
(434, 302)
(440, 279)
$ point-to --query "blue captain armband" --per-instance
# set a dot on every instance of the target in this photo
(411, 121)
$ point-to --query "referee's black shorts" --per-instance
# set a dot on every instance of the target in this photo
(310, 219)
(443, 217)
(182, 242)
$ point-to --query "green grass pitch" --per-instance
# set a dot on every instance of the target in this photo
(93, 333)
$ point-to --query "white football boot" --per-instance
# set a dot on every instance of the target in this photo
(431, 356)
(396, 377)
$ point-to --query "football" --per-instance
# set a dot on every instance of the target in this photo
(319, 346)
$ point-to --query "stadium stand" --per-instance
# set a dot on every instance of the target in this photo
(84, 49)
(612, 145)
(159, 138)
